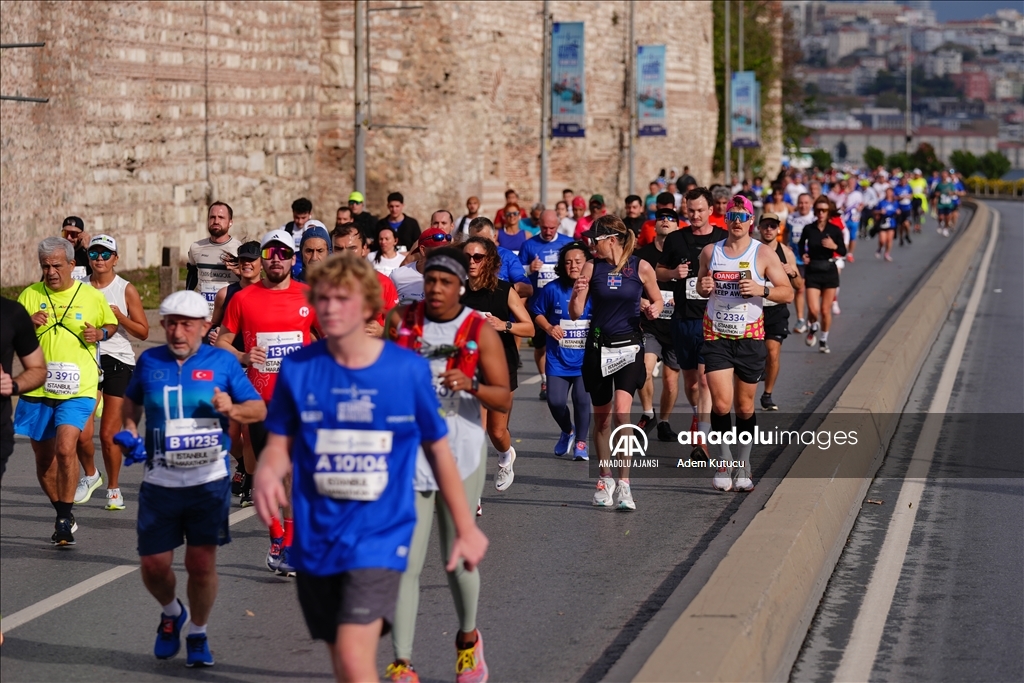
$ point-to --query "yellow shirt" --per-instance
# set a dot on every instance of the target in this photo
(71, 367)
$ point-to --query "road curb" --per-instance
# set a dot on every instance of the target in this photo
(749, 619)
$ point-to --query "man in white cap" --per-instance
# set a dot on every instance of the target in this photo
(189, 391)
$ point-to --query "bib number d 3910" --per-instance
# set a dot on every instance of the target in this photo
(63, 379)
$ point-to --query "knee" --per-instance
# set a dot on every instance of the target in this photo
(154, 566)
(200, 564)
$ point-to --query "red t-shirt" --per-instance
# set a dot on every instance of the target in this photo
(717, 221)
(648, 232)
(389, 293)
(277, 320)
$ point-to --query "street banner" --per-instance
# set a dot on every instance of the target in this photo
(568, 113)
(650, 90)
(745, 112)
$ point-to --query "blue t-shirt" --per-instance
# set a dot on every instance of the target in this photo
(512, 242)
(547, 252)
(356, 433)
(511, 269)
(529, 226)
(889, 209)
(959, 188)
(565, 358)
(903, 195)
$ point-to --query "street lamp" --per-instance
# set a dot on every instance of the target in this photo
(906, 114)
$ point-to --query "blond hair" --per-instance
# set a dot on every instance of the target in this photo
(623, 234)
(347, 270)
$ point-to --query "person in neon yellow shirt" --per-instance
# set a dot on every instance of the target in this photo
(70, 319)
(919, 192)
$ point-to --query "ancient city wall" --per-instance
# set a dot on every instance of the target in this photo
(157, 108)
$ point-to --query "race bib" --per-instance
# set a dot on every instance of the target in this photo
(546, 274)
(691, 290)
(209, 291)
(79, 273)
(193, 442)
(575, 333)
(729, 319)
(352, 464)
(278, 345)
(945, 199)
(614, 359)
(63, 379)
(669, 299)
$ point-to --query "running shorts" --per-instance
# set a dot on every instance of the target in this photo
(822, 279)
(197, 515)
(666, 353)
(776, 323)
(360, 596)
(688, 338)
(746, 357)
(116, 376)
(38, 417)
(630, 379)
(540, 339)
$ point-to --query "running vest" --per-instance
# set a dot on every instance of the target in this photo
(118, 346)
(782, 257)
(729, 315)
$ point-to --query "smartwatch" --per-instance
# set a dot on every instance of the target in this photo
(766, 291)
(106, 334)
(15, 389)
(508, 325)
(474, 386)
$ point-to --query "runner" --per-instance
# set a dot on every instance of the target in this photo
(510, 236)
(387, 257)
(886, 215)
(852, 214)
(349, 239)
(720, 204)
(274, 319)
(408, 279)
(819, 245)
(465, 382)
(794, 229)
(634, 218)
(613, 363)
(539, 256)
(188, 391)
(564, 342)
(776, 315)
(17, 336)
(597, 209)
(209, 259)
(678, 265)
(905, 199)
(117, 362)
(658, 345)
(302, 211)
(314, 247)
(461, 231)
(406, 227)
(361, 217)
(734, 274)
(648, 231)
(945, 202)
(959, 191)
(566, 223)
(70, 318)
(919, 199)
(73, 230)
(511, 269)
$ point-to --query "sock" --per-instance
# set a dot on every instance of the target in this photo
(723, 424)
(63, 509)
(173, 608)
(743, 449)
(694, 409)
(624, 481)
(276, 530)
(504, 458)
(649, 414)
(704, 427)
(56, 508)
(814, 327)
(289, 532)
(118, 491)
(194, 630)
(799, 321)
(544, 378)
(824, 336)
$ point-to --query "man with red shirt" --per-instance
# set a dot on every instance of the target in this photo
(349, 238)
(274, 318)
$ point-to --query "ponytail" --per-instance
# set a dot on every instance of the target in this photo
(627, 251)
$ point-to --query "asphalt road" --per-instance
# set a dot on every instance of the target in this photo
(958, 609)
(566, 587)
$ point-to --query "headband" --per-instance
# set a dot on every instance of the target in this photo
(447, 264)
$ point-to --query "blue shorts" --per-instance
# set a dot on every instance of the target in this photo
(169, 517)
(853, 226)
(688, 338)
(38, 417)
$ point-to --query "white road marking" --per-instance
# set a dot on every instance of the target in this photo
(23, 616)
(859, 656)
(532, 380)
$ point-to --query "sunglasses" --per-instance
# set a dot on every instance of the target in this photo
(104, 255)
(602, 237)
(439, 238)
(769, 225)
(511, 213)
(476, 258)
(740, 216)
(819, 209)
(280, 253)
(71, 233)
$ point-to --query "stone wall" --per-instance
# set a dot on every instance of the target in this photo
(157, 108)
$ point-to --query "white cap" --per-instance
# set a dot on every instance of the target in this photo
(282, 236)
(187, 303)
(917, 171)
(313, 223)
(104, 241)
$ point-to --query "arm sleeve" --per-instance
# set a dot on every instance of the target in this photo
(282, 416)
(428, 410)
(25, 340)
(191, 276)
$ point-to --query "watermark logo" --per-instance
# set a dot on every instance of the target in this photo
(627, 444)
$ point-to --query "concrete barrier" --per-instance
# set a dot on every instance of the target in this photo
(748, 621)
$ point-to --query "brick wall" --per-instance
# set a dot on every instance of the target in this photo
(157, 108)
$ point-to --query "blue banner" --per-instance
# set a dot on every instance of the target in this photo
(745, 110)
(568, 114)
(650, 90)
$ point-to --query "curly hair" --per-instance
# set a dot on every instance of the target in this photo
(488, 277)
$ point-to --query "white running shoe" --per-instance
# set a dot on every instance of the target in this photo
(603, 494)
(743, 484)
(505, 476)
(722, 481)
(86, 485)
(625, 497)
(835, 308)
(115, 501)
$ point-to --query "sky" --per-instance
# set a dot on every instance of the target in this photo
(947, 10)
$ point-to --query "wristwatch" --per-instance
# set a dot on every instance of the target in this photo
(15, 389)
(766, 292)
(474, 386)
(508, 325)
(106, 334)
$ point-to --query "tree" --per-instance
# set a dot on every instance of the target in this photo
(821, 159)
(926, 159)
(900, 160)
(994, 165)
(873, 157)
(965, 162)
(842, 151)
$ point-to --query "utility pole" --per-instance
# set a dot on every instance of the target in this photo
(360, 95)
(545, 105)
(739, 152)
(631, 94)
(727, 90)
(907, 114)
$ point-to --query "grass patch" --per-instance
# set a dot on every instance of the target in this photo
(146, 280)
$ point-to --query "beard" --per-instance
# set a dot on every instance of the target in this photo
(217, 231)
(277, 278)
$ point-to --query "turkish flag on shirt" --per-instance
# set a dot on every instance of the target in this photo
(202, 375)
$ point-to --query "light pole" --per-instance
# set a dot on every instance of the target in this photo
(727, 90)
(545, 104)
(907, 109)
(739, 152)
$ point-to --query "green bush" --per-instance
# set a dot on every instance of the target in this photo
(994, 165)
(821, 159)
(873, 157)
(964, 162)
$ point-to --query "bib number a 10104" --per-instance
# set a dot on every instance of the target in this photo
(352, 464)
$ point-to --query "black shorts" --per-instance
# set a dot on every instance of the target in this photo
(776, 322)
(360, 596)
(258, 437)
(602, 390)
(688, 337)
(540, 339)
(745, 357)
(822, 279)
(116, 376)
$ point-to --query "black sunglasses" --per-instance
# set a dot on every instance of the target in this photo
(476, 258)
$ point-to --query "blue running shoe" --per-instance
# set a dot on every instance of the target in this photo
(168, 634)
(581, 451)
(197, 647)
(564, 445)
(283, 566)
(274, 554)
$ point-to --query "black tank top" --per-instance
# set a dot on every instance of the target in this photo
(780, 251)
(615, 298)
(496, 303)
(233, 288)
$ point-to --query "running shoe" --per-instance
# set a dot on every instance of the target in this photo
(812, 338)
(274, 554)
(625, 497)
(564, 445)
(283, 567)
(945, 232)
(722, 481)
(849, 258)
(767, 403)
(237, 479)
(581, 452)
(400, 672)
(835, 307)
(245, 500)
(506, 475)
(644, 423)
(64, 532)
(908, 240)
(743, 484)
(86, 485)
(115, 501)
(823, 347)
(665, 432)
(543, 391)
(479, 508)
(168, 634)
(801, 327)
(888, 257)
(197, 649)
(470, 666)
(603, 494)
(878, 254)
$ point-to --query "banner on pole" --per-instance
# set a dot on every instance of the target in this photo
(650, 90)
(745, 111)
(568, 112)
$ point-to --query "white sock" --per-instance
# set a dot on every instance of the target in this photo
(704, 427)
(649, 413)
(543, 378)
(504, 458)
(194, 630)
(694, 409)
(173, 608)
(824, 336)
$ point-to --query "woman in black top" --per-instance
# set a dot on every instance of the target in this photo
(820, 246)
(507, 314)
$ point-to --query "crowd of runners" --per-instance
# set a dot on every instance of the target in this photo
(277, 382)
